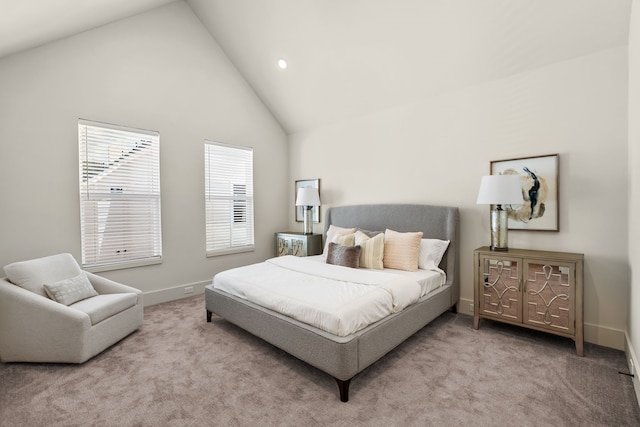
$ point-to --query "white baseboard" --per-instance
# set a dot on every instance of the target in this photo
(464, 306)
(596, 334)
(632, 358)
(174, 293)
(606, 337)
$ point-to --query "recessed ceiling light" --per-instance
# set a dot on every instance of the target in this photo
(282, 64)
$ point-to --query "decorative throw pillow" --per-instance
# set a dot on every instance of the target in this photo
(71, 290)
(346, 256)
(431, 253)
(401, 250)
(372, 252)
(332, 232)
(345, 239)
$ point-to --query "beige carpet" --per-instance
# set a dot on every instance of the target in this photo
(178, 370)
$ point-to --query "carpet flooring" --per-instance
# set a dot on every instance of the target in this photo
(178, 370)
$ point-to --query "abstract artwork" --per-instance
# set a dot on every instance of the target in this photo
(539, 210)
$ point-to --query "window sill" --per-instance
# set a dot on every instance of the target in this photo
(229, 251)
(121, 265)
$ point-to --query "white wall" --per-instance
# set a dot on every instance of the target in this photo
(436, 150)
(160, 70)
(633, 326)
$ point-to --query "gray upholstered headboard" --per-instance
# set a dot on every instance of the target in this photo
(435, 222)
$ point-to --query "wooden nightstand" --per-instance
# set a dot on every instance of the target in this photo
(539, 290)
(298, 244)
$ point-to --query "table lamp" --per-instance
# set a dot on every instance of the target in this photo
(308, 197)
(498, 190)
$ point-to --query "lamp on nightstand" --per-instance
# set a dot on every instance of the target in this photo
(308, 197)
(498, 190)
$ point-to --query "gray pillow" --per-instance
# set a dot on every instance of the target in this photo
(346, 256)
(370, 233)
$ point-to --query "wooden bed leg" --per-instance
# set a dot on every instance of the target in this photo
(209, 316)
(343, 386)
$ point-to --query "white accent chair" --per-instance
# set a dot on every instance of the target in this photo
(35, 328)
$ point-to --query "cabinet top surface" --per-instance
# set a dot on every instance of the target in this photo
(296, 233)
(529, 253)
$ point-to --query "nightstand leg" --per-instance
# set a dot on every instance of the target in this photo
(476, 322)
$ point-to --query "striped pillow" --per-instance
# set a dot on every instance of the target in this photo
(372, 252)
(401, 250)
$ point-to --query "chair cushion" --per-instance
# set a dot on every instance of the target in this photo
(33, 274)
(103, 306)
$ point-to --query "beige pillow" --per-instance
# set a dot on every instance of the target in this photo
(332, 232)
(71, 290)
(346, 256)
(345, 239)
(401, 250)
(372, 252)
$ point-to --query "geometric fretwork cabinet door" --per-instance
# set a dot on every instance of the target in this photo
(549, 295)
(500, 290)
(540, 290)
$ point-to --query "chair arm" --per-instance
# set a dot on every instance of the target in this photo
(14, 299)
(102, 285)
(27, 318)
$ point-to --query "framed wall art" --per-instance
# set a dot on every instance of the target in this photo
(540, 209)
(315, 212)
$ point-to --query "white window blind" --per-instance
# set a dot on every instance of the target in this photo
(119, 195)
(228, 198)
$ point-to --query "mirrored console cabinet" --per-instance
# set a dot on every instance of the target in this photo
(298, 244)
(539, 290)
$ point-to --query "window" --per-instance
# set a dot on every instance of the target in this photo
(228, 198)
(119, 196)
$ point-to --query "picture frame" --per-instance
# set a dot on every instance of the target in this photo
(539, 176)
(315, 211)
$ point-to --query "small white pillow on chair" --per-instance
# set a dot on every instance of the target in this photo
(71, 290)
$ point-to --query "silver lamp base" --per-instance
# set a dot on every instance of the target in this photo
(308, 223)
(499, 229)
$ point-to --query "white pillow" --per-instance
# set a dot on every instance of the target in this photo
(431, 253)
(332, 232)
(71, 290)
(372, 252)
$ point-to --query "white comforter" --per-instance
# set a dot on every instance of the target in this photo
(336, 299)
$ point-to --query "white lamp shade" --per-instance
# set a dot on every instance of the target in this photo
(500, 190)
(308, 196)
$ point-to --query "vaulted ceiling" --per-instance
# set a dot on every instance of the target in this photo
(348, 58)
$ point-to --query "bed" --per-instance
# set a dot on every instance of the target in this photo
(343, 357)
